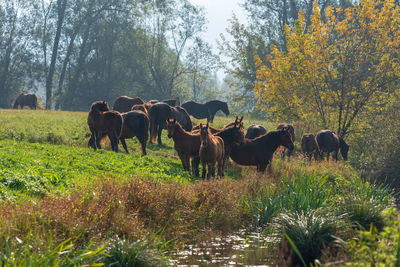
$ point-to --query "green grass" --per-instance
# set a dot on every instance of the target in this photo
(51, 184)
(36, 169)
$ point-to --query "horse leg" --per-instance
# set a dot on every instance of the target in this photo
(204, 170)
(92, 141)
(143, 144)
(98, 139)
(195, 166)
(159, 134)
(124, 145)
(112, 141)
(211, 170)
(220, 167)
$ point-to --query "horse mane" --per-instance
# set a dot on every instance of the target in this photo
(100, 106)
(180, 128)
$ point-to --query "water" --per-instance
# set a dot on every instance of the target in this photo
(240, 249)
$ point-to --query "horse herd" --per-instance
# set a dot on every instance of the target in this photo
(212, 147)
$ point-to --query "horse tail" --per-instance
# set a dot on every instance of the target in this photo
(153, 113)
(146, 127)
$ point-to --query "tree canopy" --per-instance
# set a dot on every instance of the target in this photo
(336, 72)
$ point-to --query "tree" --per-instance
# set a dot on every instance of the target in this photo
(336, 73)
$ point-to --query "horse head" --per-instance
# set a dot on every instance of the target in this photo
(100, 106)
(286, 138)
(344, 148)
(171, 127)
(224, 108)
(204, 134)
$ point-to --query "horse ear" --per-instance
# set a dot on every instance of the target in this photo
(241, 119)
(174, 120)
(236, 118)
(207, 125)
(201, 125)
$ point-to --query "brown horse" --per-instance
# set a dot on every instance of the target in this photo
(160, 112)
(290, 128)
(136, 123)
(207, 110)
(211, 152)
(186, 144)
(231, 136)
(24, 99)
(309, 146)
(254, 131)
(101, 120)
(125, 103)
(328, 142)
(259, 151)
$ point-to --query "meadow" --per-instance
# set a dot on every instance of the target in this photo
(63, 204)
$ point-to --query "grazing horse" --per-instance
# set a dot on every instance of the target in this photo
(136, 123)
(159, 113)
(102, 120)
(125, 103)
(207, 110)
(328, 142)
(186, 144)
(285, 151)
(254, 131)
(211, 152)
(24, 99)
(309, 146)
(259, 151)
(238, 121)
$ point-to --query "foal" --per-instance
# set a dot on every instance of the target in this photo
(211, 152)
(186, 144)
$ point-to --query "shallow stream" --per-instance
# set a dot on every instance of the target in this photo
(239, 249)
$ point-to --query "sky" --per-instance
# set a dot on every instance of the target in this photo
(218, 12)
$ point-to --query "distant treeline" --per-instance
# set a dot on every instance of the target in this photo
(86, 50)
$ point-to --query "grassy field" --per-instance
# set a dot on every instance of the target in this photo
(65, 204)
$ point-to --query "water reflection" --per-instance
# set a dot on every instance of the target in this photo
(240, 249)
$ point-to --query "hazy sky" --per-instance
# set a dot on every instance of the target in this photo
(218, 12)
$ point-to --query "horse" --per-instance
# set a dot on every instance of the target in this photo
(231, 136)
(254, 131)
(238, 121)
(186, 144)
(24, 99)
(309, 146)
(259, 151)
(207, 110)
(329, 141)
(292, 135)
(211, 152)
(136, 123)
(125, 103)
(102, 120)
(160, 112)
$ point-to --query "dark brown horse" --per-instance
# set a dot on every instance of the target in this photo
(232, 135)
(285, 151)
(309, 146)
(101, 120)
(125, 103)
(254, 131)
(207, 110)
(259, 151)
(136, 123)
(186, 144)
(211, 152)
(328, 142)
(24, 99)
(159, 113)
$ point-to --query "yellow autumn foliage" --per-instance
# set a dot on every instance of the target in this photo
(339, 71)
